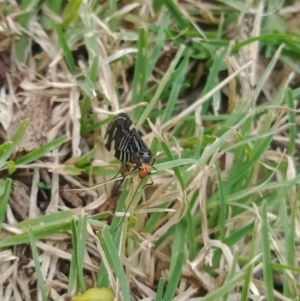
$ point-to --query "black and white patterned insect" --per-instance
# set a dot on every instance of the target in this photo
(128, 146)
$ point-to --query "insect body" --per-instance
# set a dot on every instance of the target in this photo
(130, 149)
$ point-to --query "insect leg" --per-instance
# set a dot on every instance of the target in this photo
(149, 184)
(127, 208)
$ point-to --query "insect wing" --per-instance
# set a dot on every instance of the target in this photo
(116, 130)
(123, 138)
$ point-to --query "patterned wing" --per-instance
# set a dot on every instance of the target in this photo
(122, 137)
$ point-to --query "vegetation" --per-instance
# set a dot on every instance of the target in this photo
(212, 87)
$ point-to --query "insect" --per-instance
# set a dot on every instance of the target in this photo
(122, 138)
(130, 149)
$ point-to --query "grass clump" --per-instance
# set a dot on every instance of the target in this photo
(212, 88)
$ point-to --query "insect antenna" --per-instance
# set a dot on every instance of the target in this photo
(122, 178)
(121, 221)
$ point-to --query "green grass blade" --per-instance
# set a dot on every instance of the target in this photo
(174, 163)
(289, 285)
(224, 289)
(212, 148)
(75, 277)
(111, 252)
(223, 205)
(191, 241)
(80, 249)
(292, 122)
(16, 140)
(90, 125)
(239, 6)
(72, 280)
(218, 65)
(102, 276)
(85, 106)
(249, 271)
(30, 7)
(113, 8)
(66, 50)
(160, 289)
(5, 149)
(178, 243)
(259, 148)
(266, 73)
(237, 235)
(177, 15)
(231, 274)
(161, 86)
(40, 232)
(159, 41)
(23, 42)
(11, 167)
(171, 158)
(22, 47)
(47, 220)
(90, 40)
(70, 13)
(140, 73)
(267, 262)
(153, 220)
(42, 151)
(85, 159)
(87, 86)
(40, 280)
(167, 113)
(54, 7)
(174, 277)
(6, 187)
